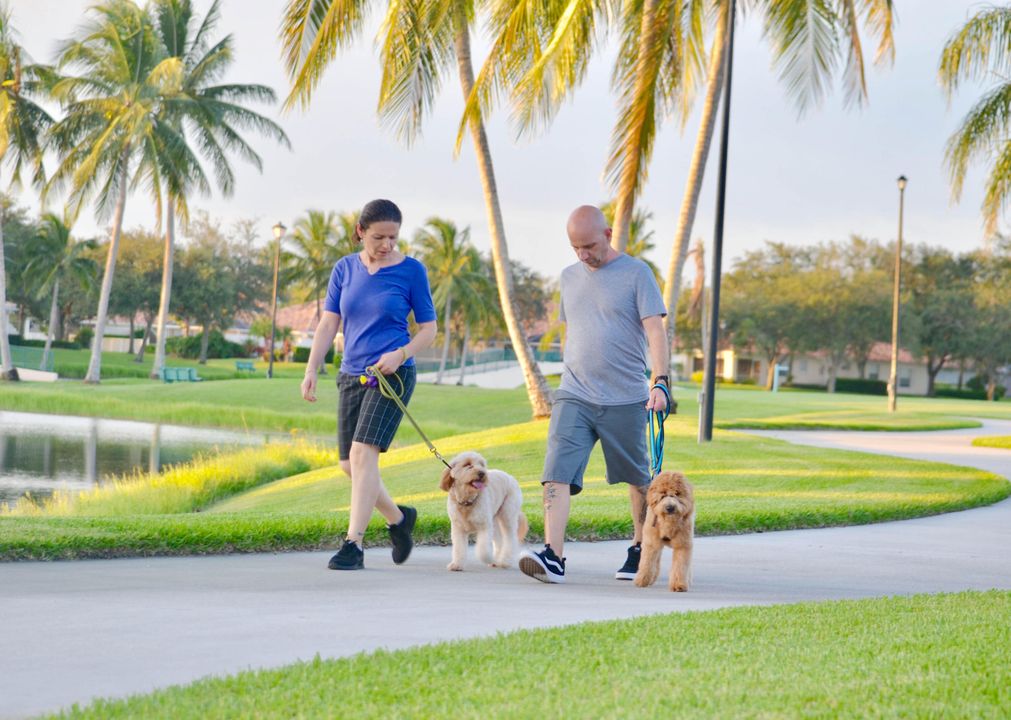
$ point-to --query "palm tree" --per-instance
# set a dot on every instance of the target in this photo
(315, 238)
(639, 239)
(454, 271)
(419, 43)
(978, 50)
(22, 126)
(213, 114)
(54, 257)
(111, 139)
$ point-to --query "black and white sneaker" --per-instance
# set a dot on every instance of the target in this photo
(631, 566)
(350, 557)
(544, 565)
(400, 534)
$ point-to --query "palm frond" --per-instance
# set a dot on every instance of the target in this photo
(805, 47)
(980, 47)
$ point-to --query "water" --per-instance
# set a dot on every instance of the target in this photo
(40, 454)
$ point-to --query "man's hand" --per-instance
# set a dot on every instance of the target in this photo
(657, 400)
(309, 386)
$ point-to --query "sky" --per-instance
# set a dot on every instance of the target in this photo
(796, 179)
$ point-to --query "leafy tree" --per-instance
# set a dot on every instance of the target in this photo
(56, 257)
(640, 239)
(139, 271)
(419, 43)
(989, 343)
(23, 124)
(320, 239)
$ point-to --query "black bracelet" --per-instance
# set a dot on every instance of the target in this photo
(664, 378)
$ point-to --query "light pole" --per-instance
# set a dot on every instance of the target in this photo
(893, 376)
(709, 380)
(278, 232)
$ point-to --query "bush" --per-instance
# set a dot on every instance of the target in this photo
(805, 386)
(966, 394)
(18, 341)
(861, 386)
(302, 355)
(217, 347)
(84, 336)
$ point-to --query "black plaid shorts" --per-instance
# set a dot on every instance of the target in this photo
(365, 416)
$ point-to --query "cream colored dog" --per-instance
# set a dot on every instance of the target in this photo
(487, 503)
(670, 522)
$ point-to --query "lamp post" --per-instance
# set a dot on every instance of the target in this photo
(278, 232)
(709, 392)
(893, 376)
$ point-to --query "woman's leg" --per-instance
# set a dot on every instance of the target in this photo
(367, 491)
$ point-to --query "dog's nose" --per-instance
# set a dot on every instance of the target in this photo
(670, 508)
(481, 475)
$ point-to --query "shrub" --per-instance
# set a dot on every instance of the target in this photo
(18, 341)
(217, 347)
(84, 336)
(302, 355)
(861, 386)
(966, 394)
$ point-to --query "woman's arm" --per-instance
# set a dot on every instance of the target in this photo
(422, 339)
(322, 341)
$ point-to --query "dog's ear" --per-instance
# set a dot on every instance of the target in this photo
(657, 489)
(447, 479)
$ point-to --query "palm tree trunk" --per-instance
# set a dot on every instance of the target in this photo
(94, 375)
(204, 340)
(628, 183)
(54, 317)
(463, 353)
(537, 387)
(166, 291)
(145, 340)
(7, 371)
(445, 340)
(696, 171)
(133, 325)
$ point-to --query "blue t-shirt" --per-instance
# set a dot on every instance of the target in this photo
(375, 307)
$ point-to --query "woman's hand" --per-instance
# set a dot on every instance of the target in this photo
(309, 386)
(389, 362)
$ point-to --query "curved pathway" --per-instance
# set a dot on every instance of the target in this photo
(73, 631)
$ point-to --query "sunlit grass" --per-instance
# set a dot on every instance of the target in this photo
(994, 441)
(922, 656)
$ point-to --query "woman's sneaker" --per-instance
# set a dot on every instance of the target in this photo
(631, 566)
(544, 565)
(349, 557)
(400, 534)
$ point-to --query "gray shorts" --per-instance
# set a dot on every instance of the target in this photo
(575, 427)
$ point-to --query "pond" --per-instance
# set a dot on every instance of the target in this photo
(40, 454)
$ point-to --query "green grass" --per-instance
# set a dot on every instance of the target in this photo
(994, 441)
(73, 364)
(743, 484)
(922, 656)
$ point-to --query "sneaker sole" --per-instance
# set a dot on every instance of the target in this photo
(529, 566)
(338, 567)
(624, 575)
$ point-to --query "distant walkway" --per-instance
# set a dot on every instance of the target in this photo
(504, 378)
(74, 631)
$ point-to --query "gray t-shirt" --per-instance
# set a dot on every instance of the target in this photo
(605, 344)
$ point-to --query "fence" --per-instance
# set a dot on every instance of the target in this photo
(30, 358)
(488, 360)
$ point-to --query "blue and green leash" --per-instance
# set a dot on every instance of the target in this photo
(655, 422)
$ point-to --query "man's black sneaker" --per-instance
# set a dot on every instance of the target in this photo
(544, 565)
(400, 534)
(631, 566)
(350, 557)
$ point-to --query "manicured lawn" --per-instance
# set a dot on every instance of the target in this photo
(994, 441)
(922, 656)
(743, 484)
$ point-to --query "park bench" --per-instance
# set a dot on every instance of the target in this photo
(244, 366)
(180, 374)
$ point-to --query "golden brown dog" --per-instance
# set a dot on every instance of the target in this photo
(670, 522)
(487, 503)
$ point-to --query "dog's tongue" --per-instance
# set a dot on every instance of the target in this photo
(478, 484)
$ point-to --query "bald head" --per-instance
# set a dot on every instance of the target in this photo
(590, 236)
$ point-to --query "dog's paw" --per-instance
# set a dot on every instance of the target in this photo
(643, 581)
(678, 587)
(454, 567)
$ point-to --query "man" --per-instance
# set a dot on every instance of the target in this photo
(613, 309)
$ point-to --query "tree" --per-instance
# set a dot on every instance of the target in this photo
(989, 343)
(979, 51)
(320, 240)
(639, 240)
(110, 139)
(138, 274)
(212, 114)
(23, 124)
(419, 43)
(55, 258)
(454, 272)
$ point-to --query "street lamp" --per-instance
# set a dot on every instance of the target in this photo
(893, 379)
(278, 232)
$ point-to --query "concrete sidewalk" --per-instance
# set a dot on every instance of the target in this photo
(74, 631)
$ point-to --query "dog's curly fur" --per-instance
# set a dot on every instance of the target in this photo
(487, 503)
(670, 522)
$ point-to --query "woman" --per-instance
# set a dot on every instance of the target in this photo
(374, 291)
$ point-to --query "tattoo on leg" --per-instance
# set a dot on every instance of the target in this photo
(549, 495)
(642, 506)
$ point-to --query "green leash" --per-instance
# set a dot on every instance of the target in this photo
(387, 391)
